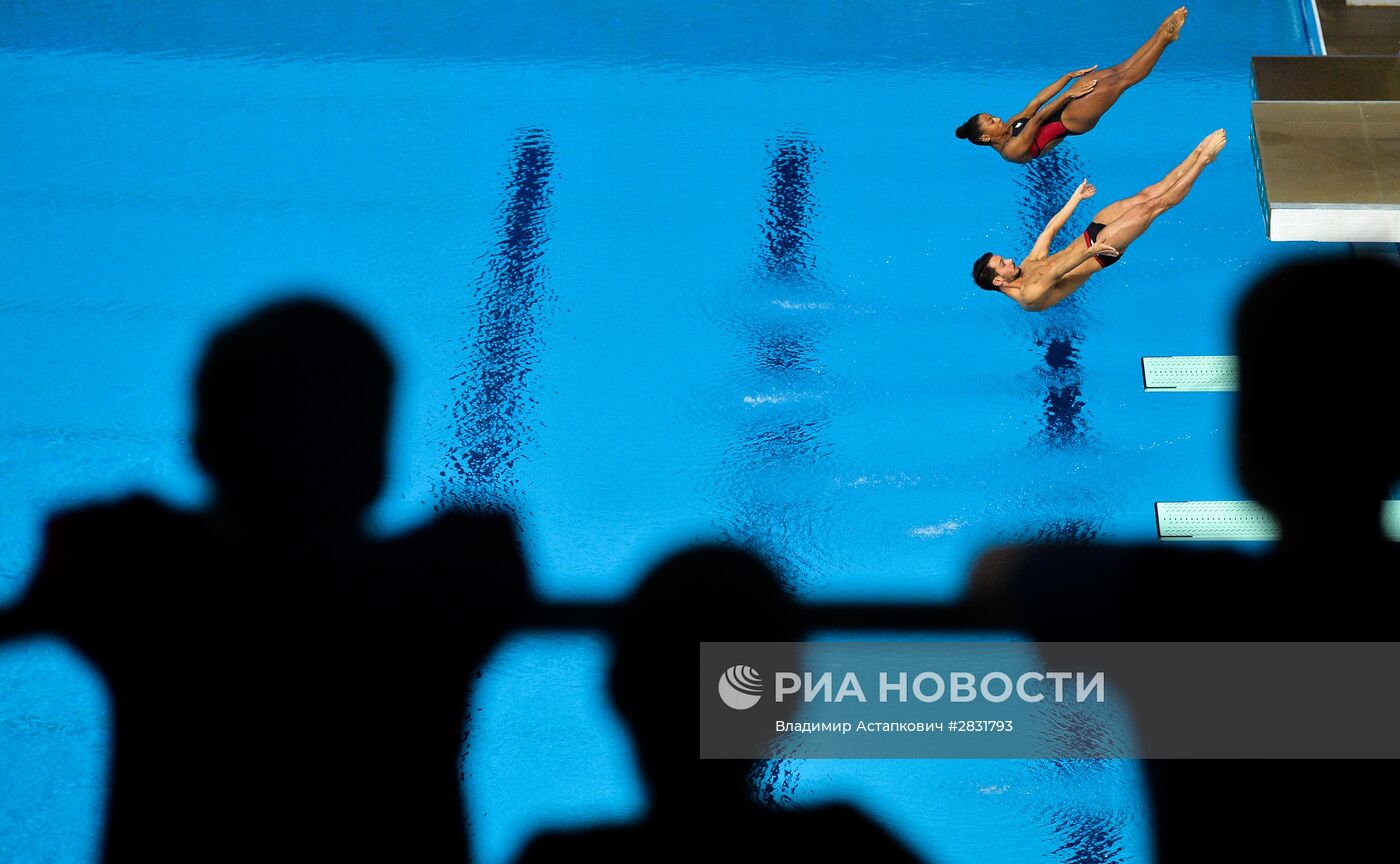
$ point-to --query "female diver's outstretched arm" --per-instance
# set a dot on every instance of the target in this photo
(1049, 92)
(1018, 148)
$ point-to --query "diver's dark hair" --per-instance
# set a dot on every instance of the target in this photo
(983, 274)
(972, 131)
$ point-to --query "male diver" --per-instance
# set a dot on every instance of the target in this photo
(1042, 279)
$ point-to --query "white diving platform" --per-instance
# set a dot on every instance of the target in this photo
(1327, 147)
(1236, 520)
(1190, 374)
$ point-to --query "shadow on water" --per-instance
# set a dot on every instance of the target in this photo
(491, 409)
(781, 429)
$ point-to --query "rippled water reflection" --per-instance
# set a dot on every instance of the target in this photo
(491, 414)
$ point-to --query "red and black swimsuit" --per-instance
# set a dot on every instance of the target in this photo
(1090, 235)
(1050, 131)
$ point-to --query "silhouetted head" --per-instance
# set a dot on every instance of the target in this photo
(981, 129)
(711, 594)
(991, 271)
(292, 407)
(1316, 366)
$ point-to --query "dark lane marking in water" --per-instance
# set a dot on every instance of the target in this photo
(1045, 186)
(779, 437)
(1085, 836)
(1064, 420)
(490, 414)
(1088, 837)
(490, 411)
(786, 229)
(775, 438)
(1068, 530)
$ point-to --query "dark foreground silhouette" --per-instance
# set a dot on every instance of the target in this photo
(284, 687)
(705, 810)
(1314, 446)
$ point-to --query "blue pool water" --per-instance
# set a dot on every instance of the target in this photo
(650, 273)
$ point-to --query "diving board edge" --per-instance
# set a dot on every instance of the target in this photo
(1236, 521)
(1190, 373)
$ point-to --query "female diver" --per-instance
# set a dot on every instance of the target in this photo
(1033, 132)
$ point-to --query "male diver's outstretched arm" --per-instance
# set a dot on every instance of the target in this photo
(1066, 263)
(1042, 243)
(1049, 92)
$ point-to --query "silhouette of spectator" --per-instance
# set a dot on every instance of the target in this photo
(1313, 445)
(283, 686)
(1315, 442)
(705, 810)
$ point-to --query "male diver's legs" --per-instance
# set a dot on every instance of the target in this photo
(1130, 224)
(1117, 208)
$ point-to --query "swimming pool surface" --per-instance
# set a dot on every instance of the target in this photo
(652, 274)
